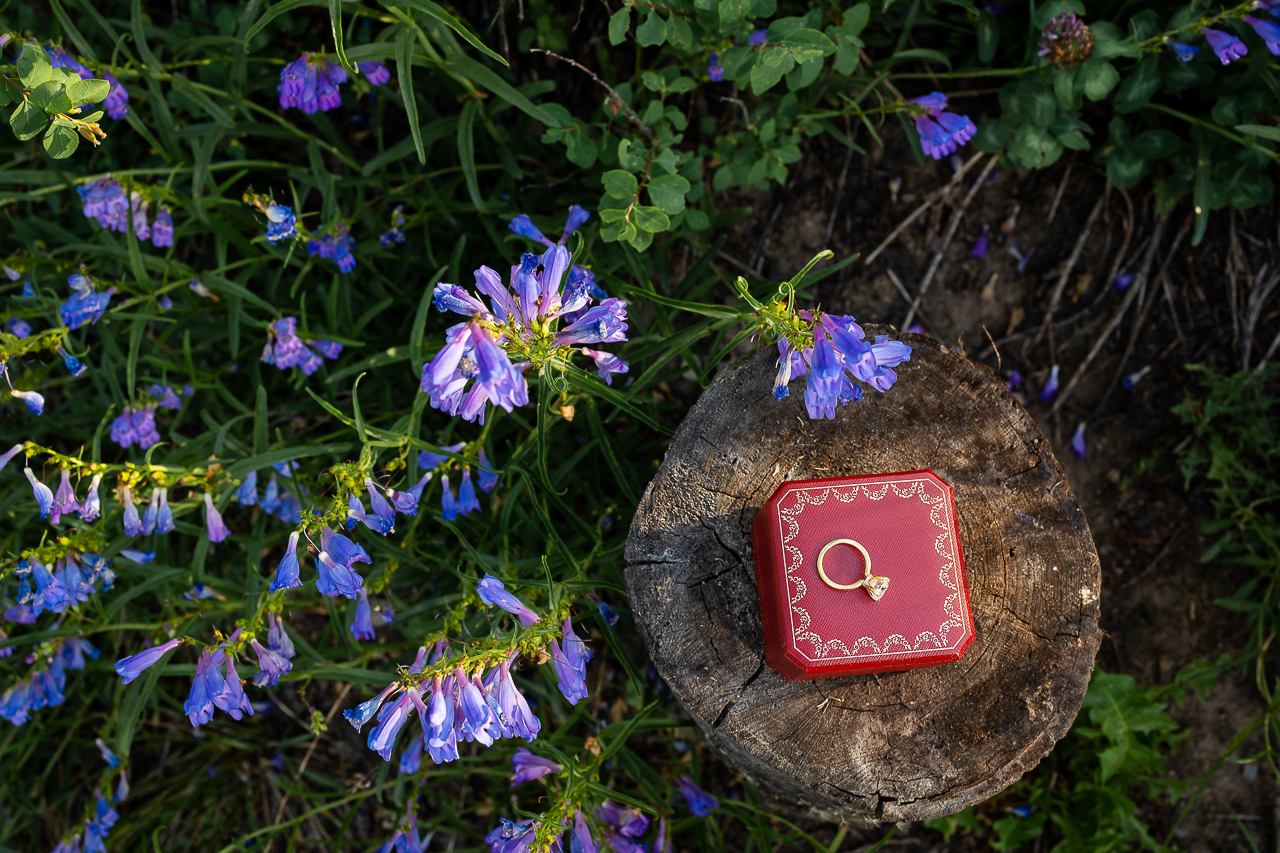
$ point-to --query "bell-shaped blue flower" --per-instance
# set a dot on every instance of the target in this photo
(383, 519)
(247, 494)
(131, 667)
(164, 520)
(44, 495)
(467, 501)
(287, 572)
(217, 531)
(362, 625)
(365, 711)
(492, 591)
(334, 579)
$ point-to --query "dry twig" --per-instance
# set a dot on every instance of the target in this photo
(924, 206)
(613, 94)
(1136, 289)
(946, 241)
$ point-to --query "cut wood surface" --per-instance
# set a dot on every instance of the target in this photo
(899, 746)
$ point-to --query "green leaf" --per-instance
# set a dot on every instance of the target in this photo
(1099, 78)
(1107, 42)
(34, 66)
(1140, 86)
(335, 26)
(1126, 168)
(467, 153)
(653, 31)
(476, 72)
(619, 24)
(1156, 144)
(88, 92)
(806, 43)
(650, 219)
(404, 69)
(619, 183)
(61, 141)
(260, 422)
(668, 192)
(437, 12)
(27, 120)
(988, 37)
(1035, 147)
(284, 454)
(1265, 131)
(190, 90)
(922, 53)
(1068, 88)
(4, 95)
(769, 70)
(679, 33)
(274, 12)
(51, 97)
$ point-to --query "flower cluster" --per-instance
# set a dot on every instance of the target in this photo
(116, 102)
(465, 502)
(1066, 41)
(310, 83)
(832, 351)
(396, 234)
(578, 217)
(104, 200)
(285, 349)
(282, 224)
(940, 132)
(85, 305)
(47, 683)
(457, 704)
(335, 245)
(96, 827)
(526, 319)
(136, 425)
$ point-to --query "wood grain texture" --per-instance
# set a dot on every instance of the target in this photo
(898, 746)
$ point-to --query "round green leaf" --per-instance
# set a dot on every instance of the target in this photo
(1099, 78)
(61, 141)
(650, 218)
(51, 97)
(620, 184)
(667, 192)
(28, 120)
(653, 31)
(34, 66)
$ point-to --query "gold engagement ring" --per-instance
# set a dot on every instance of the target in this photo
(875, 585)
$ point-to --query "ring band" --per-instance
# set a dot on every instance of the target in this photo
(875, 585)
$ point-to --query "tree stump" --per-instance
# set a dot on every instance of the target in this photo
(890, 747)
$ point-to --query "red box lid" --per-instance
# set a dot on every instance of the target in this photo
(905, 523)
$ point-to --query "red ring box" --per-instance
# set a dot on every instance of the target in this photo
(906, 521)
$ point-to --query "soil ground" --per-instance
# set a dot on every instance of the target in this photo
(1157, 604)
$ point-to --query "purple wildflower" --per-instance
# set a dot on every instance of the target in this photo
(247, 494)
(528, 767)
(131, 667)
(700, 802)
(980, 245)
(375, 72)
(570, 659)
(104, 200)
(217, 531)
(18, 327)
(310, 83)
(714, 69)
(362, 625)
(1066, 41)
(1050, 389)
(287, 572)
(44, 495)
(1226, 46)
(940, 132)
(1268, 31)
(64, 500)
(1184, 52)
(1134, 378)
(492, 591)
(281, 223)
(1077, 442)
(162, 229)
